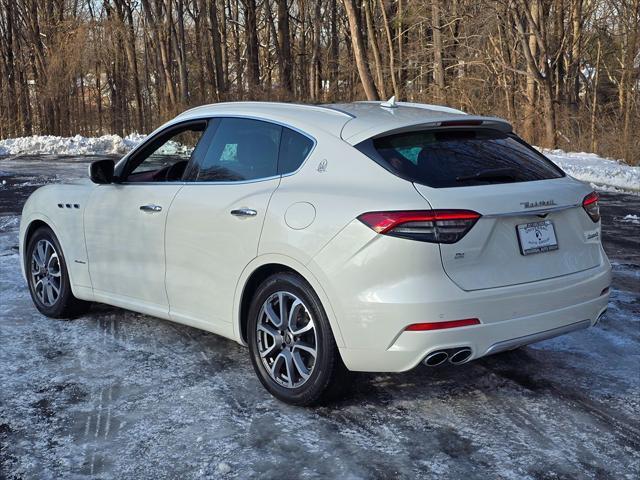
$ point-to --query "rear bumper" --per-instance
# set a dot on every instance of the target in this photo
(378, 285)
(560, 304)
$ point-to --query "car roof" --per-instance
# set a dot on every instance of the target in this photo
(353, 122)
(298, 116)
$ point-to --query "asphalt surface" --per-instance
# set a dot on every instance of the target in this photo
(115, 394)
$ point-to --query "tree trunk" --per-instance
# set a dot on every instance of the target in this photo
(334, 51)
(217, 48)
(181, 55)
(438, 65)
(529, 43)
(573, 73)
(251, 39)
(284, 39)
(358, 51)
(315, 54)
(629, 78)
(391, 53)
(125, 14)
(373, 42)
(594, 101)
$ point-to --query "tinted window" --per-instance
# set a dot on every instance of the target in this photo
(294, 149)
(241, 149)
(459, 158)
(164, 157)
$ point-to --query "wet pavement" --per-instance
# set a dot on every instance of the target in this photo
(116, 394)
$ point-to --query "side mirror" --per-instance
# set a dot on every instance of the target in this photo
(101, 171)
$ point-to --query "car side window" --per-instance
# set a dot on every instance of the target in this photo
(241, 149)
(294, 149)
(166, 156)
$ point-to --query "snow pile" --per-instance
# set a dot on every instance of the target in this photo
(78, 145)
(601, 172)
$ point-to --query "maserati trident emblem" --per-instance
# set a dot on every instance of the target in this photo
(322, 166)
(539, 203)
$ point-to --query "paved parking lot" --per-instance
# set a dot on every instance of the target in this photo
(116, 394)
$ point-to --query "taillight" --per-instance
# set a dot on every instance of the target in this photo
(590, 205)
(435, 226)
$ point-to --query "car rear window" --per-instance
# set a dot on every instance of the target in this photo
(459, 158)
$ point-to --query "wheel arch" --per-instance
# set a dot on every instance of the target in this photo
(33, 224)
(260, 269)
(29, 225)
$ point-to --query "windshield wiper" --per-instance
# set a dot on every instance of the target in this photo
(490, 174)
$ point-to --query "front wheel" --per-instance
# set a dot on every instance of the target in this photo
(292, 347)
(48, 277)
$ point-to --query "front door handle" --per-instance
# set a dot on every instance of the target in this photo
(244, 212)
(151, 208)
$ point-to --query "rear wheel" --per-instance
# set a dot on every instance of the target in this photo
(48, 277)
(292, 347)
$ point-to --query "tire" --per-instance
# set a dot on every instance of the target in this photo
(281, 353)
(48, 277)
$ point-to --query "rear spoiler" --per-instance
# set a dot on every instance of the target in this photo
(470, 122)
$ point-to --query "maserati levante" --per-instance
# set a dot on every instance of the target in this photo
(365, 236)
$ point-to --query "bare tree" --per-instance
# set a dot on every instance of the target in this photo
(566, 73)
(358, 50)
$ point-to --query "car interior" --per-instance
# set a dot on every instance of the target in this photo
(165, 158)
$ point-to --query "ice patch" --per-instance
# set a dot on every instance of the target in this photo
(78, 145)
(9, 222)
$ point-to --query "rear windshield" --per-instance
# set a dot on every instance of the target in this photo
(459, 158)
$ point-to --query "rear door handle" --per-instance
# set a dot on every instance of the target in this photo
(151, 208)
(244, 212)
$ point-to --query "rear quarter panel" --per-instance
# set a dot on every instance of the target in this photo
(340, 184)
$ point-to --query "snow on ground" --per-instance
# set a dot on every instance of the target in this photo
(78, 145)
(603, 173)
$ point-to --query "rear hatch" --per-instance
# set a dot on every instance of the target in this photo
(493, 254)
(533, 226)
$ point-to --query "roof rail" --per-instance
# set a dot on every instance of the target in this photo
(322, 108)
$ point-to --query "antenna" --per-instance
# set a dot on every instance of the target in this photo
(391, 103)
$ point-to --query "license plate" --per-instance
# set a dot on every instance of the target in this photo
(537, 237)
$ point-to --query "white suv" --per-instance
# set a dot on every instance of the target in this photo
(362, 236)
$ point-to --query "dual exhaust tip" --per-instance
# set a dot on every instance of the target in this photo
(456, 356)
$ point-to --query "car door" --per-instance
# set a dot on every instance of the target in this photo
(124, 223)
(214, 223)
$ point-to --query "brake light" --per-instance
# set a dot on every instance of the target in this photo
(422, 327)
(434, 226)
(461, 123)
(590, 205)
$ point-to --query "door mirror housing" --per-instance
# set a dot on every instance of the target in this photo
(101, 171)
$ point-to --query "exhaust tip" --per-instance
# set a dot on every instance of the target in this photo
(460, 356)
(436, 358)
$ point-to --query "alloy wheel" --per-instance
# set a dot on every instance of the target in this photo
(287, 339)
(46, 273)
